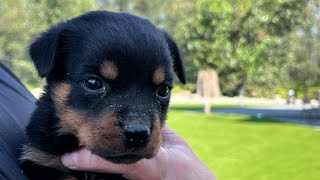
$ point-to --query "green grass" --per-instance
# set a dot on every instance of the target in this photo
(239, 147)
(195, 107)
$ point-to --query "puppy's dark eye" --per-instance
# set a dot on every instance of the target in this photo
(93, 83)
(163, 91)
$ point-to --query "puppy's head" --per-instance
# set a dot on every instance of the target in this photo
(109, 77)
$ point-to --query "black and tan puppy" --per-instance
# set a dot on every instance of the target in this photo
(109, 77)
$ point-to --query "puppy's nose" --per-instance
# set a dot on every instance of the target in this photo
(137, 135)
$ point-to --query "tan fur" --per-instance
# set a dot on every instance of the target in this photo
(158, 76)
(41, 158)
(93, 132)
(70, 120)
(98, 132)
(109, 70)
(102, 133)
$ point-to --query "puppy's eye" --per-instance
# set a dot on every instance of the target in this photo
(93, 83)
(163, 91)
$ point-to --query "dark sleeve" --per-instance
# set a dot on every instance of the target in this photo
(16, 106)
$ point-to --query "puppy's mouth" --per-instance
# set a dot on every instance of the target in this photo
(121, 159)
(127, 159)
(116, 146)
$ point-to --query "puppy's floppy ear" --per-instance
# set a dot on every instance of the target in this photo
(178, 64)
(44, 50)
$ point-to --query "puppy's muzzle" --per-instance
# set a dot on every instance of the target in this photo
(136, 136)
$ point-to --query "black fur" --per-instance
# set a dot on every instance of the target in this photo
(73, 50)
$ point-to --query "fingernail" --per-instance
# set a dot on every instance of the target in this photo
(70, 160)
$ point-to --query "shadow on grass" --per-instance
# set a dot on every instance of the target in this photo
(247, 115)
(260, 120)
(246, 118)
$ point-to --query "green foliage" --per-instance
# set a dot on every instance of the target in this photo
(257, 44)
(245, 41)
(305, 59)
(187, 87)
(14, 29)
(153, 10)
(283, 92)
(22, 20)
(299, 91)
(238, 147)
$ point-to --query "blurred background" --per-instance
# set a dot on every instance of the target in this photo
(250, 108)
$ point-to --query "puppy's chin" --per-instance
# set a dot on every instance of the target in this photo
(125, 158)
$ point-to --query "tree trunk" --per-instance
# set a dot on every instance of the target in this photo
(208, 84)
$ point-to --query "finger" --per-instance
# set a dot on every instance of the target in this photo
(149, 168)
(169, 137)
(85, 160)
(172, 140)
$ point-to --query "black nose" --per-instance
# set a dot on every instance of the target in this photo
(136, 135)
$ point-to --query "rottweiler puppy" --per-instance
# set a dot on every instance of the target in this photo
(109, 77)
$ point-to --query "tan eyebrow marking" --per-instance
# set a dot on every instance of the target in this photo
(109, 70)
(158, 76)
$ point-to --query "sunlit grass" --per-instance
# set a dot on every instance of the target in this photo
(199, 106)
(237, 147)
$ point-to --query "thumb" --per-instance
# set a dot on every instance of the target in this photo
(86, 161)
(170, 137)
(83, 159)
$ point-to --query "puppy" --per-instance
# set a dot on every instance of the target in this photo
(109, 77)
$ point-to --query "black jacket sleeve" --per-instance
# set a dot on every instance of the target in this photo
(16, 106)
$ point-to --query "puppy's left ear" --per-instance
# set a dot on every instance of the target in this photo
(178, 63)
(44, 51)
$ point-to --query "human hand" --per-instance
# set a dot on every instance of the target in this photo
(175, 160)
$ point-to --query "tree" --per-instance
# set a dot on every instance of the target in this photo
(305, 55)
(22, 20)
(155, 10)
(245, 41)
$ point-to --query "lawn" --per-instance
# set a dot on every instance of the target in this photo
(239, 147)
(196, 107)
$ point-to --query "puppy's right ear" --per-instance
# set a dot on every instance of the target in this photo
(178, 63)
(44, 51)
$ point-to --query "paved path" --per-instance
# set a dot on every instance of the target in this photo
(285, 113)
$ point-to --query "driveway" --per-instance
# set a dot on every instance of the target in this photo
(293, 114)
